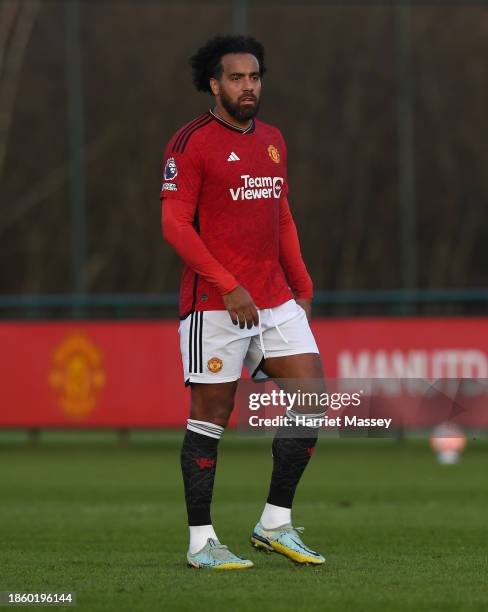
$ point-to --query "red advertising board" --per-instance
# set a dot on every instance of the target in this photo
(84, 374)
(105, 374)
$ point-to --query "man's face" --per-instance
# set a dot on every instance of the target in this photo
(239, 87)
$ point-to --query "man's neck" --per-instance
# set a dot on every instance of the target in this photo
(223, 114)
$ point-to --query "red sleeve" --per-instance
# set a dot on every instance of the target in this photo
(290, 255)
(182, 173)
(284, 152)
(178, 230)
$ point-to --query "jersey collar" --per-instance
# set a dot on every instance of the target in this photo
(248, 130)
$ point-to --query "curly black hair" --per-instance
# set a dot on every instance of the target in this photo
(206, 62)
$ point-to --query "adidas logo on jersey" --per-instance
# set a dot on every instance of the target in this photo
(233, 157)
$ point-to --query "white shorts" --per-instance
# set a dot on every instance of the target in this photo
(214, 350)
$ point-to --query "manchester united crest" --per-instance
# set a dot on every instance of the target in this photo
(77, 375)
(214, 364)
(274, 154)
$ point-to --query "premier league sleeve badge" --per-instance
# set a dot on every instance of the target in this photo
(170, 170)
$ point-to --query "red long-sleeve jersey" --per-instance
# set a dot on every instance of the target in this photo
(225, 211)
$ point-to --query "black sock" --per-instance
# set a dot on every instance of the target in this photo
(290, 458)
(198, 463)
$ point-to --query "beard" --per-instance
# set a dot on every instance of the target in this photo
(239, 113)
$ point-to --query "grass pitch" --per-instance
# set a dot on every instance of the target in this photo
(399, 531)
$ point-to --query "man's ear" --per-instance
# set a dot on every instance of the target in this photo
(215, 87)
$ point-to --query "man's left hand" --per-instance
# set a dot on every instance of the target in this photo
(306, 304)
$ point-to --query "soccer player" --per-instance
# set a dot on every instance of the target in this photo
(245, 294)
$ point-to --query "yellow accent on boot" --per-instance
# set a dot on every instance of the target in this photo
(294, 555)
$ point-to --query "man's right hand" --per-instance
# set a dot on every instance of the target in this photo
(241, 307)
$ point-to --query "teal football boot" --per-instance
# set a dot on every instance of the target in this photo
(286, 541)
(218, 557)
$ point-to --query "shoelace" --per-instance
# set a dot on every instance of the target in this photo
(223, 552)
(297, 529)
(216, 544)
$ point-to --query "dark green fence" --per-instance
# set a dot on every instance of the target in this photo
(432, 302)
